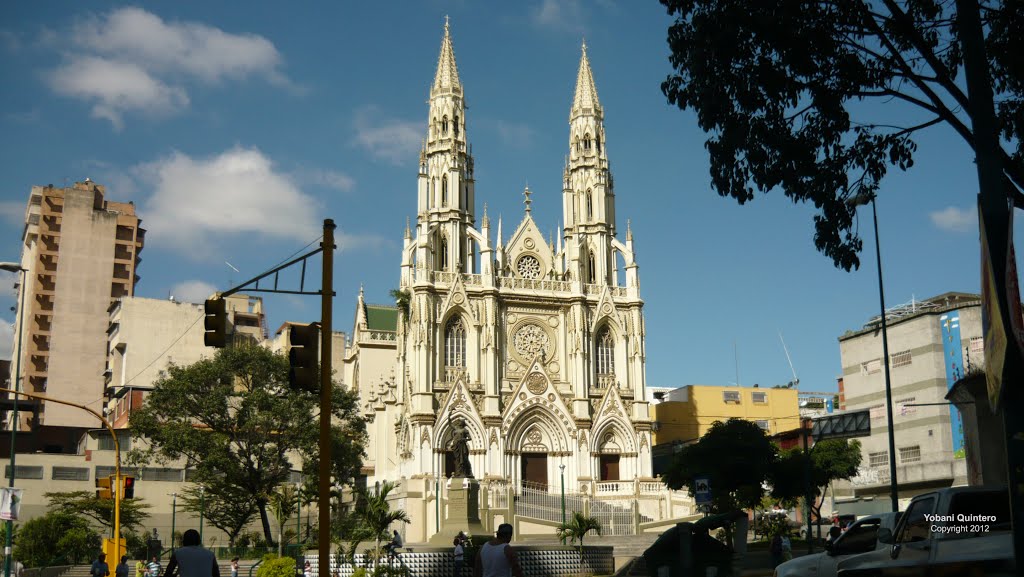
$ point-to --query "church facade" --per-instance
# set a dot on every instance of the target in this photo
(530, 351)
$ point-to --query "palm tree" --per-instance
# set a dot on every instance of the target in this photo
(283, 503)
(376, 514)
(577, 528)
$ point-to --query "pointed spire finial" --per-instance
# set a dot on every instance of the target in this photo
(585, 99)
(486, 220)
(447, 76)
(527, 201)
(360, 291)
(408, 232)
(629, 229)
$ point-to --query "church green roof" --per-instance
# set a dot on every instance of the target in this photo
(381, 318)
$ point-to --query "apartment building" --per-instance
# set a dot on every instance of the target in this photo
(932, 344)
(145, 336)
(81, 252)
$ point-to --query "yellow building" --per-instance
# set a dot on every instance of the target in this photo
(686, 413)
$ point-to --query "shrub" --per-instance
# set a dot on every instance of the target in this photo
(57, 536)
(274, 566)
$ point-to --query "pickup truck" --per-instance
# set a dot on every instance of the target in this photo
(956, 531)
(861, 537)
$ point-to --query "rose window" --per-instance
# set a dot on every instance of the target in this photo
(530, 341)
(528, 267)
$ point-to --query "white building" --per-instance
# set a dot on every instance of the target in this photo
(538, 346)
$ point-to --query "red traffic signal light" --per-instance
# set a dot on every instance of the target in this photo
(303, 356)
(129, 488)
(216, 323)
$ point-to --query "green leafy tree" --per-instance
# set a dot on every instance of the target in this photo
(781, 87)
(736, 456)
(225, 506)
(577, 528)
(830, 460)
(58, 537)
(235, 422)
(276, 566)
(133, 511)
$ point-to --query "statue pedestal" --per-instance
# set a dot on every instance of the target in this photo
(463, 512)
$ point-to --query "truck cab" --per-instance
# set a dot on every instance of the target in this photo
(961, 529)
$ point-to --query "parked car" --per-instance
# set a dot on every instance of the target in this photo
(956, 531)
(861, 537)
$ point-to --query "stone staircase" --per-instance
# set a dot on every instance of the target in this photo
(627, 550)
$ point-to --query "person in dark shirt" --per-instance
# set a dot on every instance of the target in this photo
(191, 559)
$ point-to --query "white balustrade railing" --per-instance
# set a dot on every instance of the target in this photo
(534, 284)
(380, 336)
(652, 488)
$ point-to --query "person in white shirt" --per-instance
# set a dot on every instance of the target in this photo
(497, 558)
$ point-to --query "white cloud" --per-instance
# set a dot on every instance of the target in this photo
(953, 219)
(192, 291)
(236, 192)
(115, 87)
(194, 48)
(131, 60)
(514, 134)
(326, 178)
(391, 139)
(6, 339)
(562, 14)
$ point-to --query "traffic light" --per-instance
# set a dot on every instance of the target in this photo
(303, 357)
(216, 323)
(103, 488)
(129, 488)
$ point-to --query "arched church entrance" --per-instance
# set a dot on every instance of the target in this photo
(534, 469)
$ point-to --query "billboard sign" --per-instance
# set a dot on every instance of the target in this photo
(703, 493)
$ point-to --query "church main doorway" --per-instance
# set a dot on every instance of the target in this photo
(534, 469)
(609, 467)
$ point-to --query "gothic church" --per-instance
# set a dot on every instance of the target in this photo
(537, 346)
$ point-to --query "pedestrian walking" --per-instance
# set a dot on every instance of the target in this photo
(192, 559)
(99, 566)
(775, 548)
(307, 570)
(153, 568)
(122, 568)
(459, 556)
(787, 548)
(497, 558)
(234, 567)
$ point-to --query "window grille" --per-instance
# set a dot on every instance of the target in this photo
(910, 454)
(977, 346)
(759, 398)
(24, 472)
(871, 367)
(880, 459)
(69, 473)
(762, 424)
(901, 359)
(903, 407)
(731, 396)
(161, 474)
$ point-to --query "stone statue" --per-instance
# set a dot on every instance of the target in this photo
(460, 450)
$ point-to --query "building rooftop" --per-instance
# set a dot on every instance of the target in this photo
(381, 317)
(915, 308)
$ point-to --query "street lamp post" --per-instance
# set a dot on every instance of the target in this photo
(202, 511)
(298, 513)
(562, 468)
(174, 515)
(860, 200)
(14, 267)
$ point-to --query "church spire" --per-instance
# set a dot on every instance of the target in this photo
(585, 101)
(447, 76)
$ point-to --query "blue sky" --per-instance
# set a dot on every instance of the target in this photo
(236, 128)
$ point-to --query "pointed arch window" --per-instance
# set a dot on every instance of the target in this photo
(592, 273)
(597, 140)
(444, 125)
(590, 204)
(443, 257)
(455, 125)
(605, 355)
(455, 343)
(444, 191)
(586, 141)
